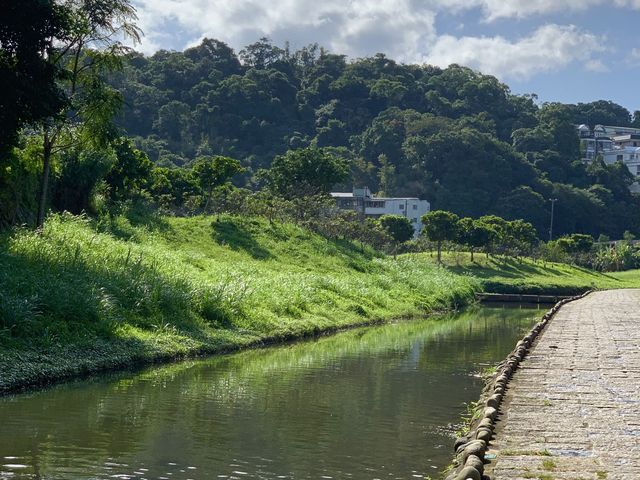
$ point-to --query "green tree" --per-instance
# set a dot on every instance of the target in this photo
(558, 121)
(92, 49)
(261, 54)
(576, 243)
(440, 226)
(531, 139)
(473, 234)
(398, 227)
(520, 237)
(601, 112)
(387, 176)
(27, 79)
(498, 228)
(82, 169)
(130, 173)
(305, 172)
(578, 246)
(524, 202)
(213, 172)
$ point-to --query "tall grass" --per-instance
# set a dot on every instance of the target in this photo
(173, 286)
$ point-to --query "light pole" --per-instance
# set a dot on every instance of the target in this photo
(553, 202)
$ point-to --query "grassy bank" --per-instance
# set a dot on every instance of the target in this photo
(81, 297)
(536, 277)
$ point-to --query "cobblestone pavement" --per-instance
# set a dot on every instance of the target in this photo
(572, 409)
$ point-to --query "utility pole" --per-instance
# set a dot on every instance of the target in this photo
(553, 202)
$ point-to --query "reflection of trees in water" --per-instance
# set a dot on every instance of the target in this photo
(347, 394)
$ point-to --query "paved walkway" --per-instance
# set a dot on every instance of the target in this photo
(572, 410)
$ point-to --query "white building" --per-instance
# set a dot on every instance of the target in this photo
(363, 201)
(614, 144)
(593, 142)
(628, 140)
(628, 155)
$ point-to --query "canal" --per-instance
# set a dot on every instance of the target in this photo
(373, 403)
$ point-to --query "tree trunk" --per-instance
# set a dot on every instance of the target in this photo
(44, 181)
(439, 252)
(209, 195)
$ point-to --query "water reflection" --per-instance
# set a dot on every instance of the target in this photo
(368, 403)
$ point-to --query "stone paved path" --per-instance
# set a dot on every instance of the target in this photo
(572, 410)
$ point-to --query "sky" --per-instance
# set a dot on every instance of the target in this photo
(562, 50)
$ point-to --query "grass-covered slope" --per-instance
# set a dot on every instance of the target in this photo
(80, 297)
(501, 275)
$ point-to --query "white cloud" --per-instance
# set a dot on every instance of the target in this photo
(403, 29)
(635, 4)
(356, 28)
(596, 65)
(549, 48)
(633, 57)
(497, 9)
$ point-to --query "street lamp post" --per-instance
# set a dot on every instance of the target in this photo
(553, 202)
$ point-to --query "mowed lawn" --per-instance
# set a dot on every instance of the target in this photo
(528, 276)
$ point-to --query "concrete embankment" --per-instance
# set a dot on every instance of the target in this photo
(572, 408)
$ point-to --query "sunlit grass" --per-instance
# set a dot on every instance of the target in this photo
(508, 275)
(80, 296)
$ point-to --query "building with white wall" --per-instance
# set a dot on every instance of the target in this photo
(614, 144)
(363, 201)
(628, 155)
(593, 142)
(627, 140)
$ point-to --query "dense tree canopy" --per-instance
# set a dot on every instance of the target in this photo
(453, 136)
(298, 122)
(305, 172)
(398, 227)
(27, 79)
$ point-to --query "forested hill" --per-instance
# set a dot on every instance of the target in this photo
(453, 136)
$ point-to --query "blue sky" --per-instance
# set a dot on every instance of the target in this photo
(562, 50)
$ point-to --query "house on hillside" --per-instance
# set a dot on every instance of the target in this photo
(630, 156)
(369, 206)
(614, 144)
(593, 142)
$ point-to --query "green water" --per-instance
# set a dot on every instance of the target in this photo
(378, 402)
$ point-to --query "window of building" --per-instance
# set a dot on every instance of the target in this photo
(415, 220)
(415, 207)
(402, 206)
(375, 204)
(619, 158)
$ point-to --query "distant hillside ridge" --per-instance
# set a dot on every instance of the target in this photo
(453, 136)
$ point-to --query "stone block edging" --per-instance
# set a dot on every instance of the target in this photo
(470, 449)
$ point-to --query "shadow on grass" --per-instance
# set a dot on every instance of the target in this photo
(151, 220)
(125, 225)
(238, 237)
(506, 268)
